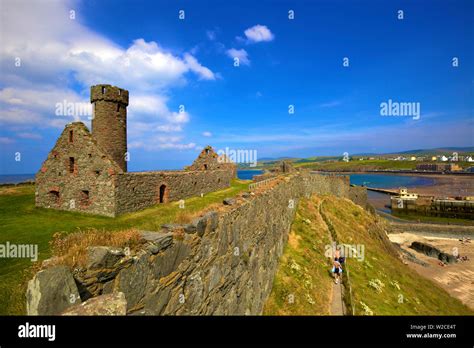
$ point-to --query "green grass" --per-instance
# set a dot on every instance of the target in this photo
(302, 284)
(404, 292)
(356, 165)
(22, 223)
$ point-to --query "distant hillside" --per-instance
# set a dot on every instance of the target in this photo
(381, 284)
(435, 151)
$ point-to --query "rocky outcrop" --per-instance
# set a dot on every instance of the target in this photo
(51, 291)
(432, 251)
(104, 257)
(110, 304)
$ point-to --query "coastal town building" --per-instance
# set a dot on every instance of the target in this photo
(438, 167)
(87, 171)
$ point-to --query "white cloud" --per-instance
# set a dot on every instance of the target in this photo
(26, 135)
(331, 104)
(6, 140)
(57, 52)
(241, 54)
(37, 106)
(211, 35)
(207, 134)
(259, 33)
(169, 128)
(203, 72)
(161, 142)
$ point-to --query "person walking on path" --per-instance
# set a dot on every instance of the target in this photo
(336, 270)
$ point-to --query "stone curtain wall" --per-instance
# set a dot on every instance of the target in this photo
(136, 191)
(222, 263)
(92, 172)
(230, 270)
(358, 195)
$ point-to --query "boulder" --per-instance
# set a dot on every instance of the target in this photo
(190, 228)
(159, 240)
(210, 219)
(103, 257)
(109, 304)
(229, 201)
(170, 227)
(132, 281)
(200, 224)
(51, 291)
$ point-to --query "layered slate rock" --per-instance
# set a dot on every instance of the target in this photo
(109, 304)
(51, 291)
(103, 257)
(432, 251)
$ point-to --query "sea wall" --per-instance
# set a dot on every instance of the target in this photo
(223, 263)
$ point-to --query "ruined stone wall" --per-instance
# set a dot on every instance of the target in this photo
(358, 195)
(222, 263)
(77, 175)
(135, 191)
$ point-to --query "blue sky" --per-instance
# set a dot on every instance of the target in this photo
(166, 62)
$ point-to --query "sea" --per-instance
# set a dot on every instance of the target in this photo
(247, 174)
(390, 181)
(15, 178)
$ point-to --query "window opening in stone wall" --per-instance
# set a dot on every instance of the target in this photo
(54, 196)
(104, 90)
(84, 196)
(71, 164)
(71, 136)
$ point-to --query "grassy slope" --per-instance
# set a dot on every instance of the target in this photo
(22, 223)
(302, 274)
(357, 165)
(403, 291)
(352, 225)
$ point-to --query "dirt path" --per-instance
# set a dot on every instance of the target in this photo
(337, 307)
(337, 304)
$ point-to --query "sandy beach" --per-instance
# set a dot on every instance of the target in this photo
(457, 279)
(448, 185)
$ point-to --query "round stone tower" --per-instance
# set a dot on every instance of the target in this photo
(109, 124)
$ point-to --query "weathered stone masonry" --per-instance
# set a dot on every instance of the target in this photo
(87, 172)
(133, 189)
(224, 263)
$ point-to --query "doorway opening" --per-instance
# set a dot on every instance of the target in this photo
(163, 194)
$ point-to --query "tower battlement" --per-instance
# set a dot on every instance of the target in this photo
(109, 93)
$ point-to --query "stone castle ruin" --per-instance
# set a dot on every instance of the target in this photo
(87, 171)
